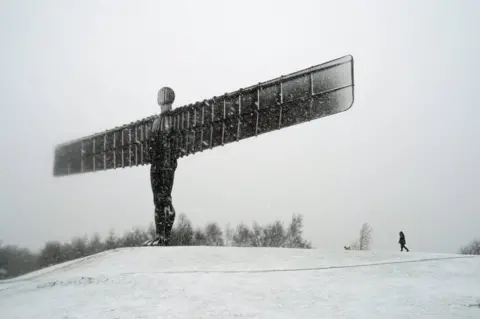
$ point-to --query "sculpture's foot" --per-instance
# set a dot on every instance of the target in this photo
(158, 241)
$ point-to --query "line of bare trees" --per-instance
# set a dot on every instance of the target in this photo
(15, 261)
(472, 248)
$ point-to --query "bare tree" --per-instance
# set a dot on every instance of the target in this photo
(213, 235)
(472, 248)
(365, 237)
(274, 235)
(182, 233)
(112, 241)
(95, 244)
(51, 254)
(228, 235)
(242, 236)
(294, 234)
(199, 237)
(78, 247)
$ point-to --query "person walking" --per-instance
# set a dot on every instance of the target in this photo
(403, 242)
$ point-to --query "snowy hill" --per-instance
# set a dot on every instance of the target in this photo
(226, 282)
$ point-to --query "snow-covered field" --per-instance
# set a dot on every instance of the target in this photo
(226, 282)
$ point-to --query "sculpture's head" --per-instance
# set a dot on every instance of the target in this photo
(165, 99)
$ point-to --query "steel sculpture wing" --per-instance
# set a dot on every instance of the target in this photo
(306, 95)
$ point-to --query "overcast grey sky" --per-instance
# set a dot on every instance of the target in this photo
(404, 157)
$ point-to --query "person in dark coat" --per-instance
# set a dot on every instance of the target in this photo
(403, 242)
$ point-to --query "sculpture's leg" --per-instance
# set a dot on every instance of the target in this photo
(162, 184)
(169, 219)
(169, 210)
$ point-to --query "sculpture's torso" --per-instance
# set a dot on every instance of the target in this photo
(162, 151)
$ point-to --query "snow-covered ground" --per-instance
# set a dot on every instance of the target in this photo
(226, 282)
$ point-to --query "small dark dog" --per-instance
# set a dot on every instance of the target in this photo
(346, 248)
